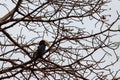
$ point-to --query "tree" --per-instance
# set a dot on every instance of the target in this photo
(77, 52)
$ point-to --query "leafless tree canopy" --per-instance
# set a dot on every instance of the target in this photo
(77, 52)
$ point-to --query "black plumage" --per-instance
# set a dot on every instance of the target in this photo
(41, 49)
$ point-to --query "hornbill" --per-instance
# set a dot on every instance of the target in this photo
(41, 49)
(39, 52)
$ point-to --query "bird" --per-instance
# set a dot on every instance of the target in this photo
(40, 51)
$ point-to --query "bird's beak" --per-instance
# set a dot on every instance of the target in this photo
(47, 43)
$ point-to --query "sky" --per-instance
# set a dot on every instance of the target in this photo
(112, 7)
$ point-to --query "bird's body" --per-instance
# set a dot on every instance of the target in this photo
(41, 49)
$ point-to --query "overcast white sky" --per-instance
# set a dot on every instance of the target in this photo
(114, 6)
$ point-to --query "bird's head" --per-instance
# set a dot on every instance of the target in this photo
(47, 43)
(44, 42)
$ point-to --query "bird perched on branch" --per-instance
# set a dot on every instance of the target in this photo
(41, 49)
